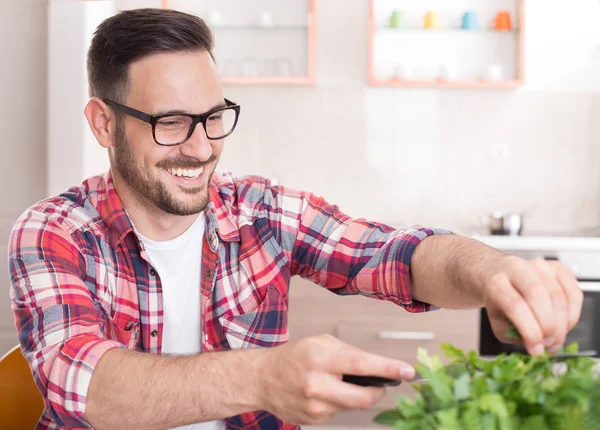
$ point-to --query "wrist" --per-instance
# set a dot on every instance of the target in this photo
(256, 377)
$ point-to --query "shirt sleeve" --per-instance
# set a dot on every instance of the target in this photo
(62, 334)
(345, 255)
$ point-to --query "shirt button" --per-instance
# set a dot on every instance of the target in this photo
(209, 273)
(152, 271)
(154, 333)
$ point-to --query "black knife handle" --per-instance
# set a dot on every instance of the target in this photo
(371, 381)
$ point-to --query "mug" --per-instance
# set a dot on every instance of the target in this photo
(503, 21)
(445, 72)
(250, 68)
(400, 71)
(215, 18)
(265, 19)
(231, 69)
(397, 19)
(432, 20)
(494, 73)
(284, 67)
(469, 21)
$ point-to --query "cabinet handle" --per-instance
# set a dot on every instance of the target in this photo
(407, 335)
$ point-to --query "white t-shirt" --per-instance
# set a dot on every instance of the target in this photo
(178, 262)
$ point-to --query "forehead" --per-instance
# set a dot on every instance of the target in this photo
(175, 81)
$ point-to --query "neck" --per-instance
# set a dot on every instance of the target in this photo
(149, 220)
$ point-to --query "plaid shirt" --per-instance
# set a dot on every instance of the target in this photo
(83, 284)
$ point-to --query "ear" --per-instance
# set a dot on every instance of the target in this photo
(102, 121)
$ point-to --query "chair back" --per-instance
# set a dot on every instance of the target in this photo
(21, 403)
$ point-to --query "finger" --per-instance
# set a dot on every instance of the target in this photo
(500, 326)
(354, 361)
(528, 281)
(318, 412)
(505, 302)
(345, 396)
(547, 274)
(573, 293)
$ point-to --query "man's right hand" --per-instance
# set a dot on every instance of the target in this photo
(301, 382)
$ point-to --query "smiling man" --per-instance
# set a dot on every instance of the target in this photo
(155, 296)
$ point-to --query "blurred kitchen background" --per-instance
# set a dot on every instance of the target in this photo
(402, 111)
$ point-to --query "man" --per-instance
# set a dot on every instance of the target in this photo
(155, 296)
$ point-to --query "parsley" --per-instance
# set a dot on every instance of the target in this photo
(511, 392)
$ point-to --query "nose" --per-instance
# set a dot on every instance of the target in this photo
(198, 145)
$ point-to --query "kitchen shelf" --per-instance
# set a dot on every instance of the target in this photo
(260, 28)
(247, 52)
(469, 56)
(445, 31)
(448, 83)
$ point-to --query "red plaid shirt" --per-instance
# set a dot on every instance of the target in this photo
(82, 282)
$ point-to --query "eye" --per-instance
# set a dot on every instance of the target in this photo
(172, 122)
(215, 117)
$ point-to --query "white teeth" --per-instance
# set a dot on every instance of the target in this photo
(187, 173)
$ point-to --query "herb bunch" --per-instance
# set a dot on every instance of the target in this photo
(511, 392)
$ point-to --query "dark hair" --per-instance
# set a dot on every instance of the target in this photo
(132, 35)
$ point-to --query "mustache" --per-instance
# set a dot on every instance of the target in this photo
(184, 163)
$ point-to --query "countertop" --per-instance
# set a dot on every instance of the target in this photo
(541, 243)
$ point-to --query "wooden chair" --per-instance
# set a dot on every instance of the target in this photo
(20, 401)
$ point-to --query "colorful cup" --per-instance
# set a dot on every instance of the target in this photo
(469, 21)
(433, 20)
(503, 21)
(397, 19)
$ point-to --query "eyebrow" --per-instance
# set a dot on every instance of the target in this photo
(183, 112)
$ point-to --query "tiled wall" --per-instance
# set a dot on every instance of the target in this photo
(434, 157)
(429, 157)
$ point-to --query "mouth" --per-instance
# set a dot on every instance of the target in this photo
(187, 177)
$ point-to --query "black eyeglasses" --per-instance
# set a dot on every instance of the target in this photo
(175, 129)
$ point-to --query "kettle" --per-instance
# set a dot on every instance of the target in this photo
(504, 223)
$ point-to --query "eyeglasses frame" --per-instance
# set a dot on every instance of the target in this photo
(200, 118)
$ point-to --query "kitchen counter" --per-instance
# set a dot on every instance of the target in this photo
(580, 254)
(541, 243)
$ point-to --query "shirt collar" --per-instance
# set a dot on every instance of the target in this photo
(220, 218)
(111, 210)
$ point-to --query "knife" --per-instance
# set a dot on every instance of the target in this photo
(376, 381)
(371, 381)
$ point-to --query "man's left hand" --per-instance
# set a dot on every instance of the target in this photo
(542, 299)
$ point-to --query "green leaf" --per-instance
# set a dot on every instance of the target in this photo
(462, 387)
(448, 419)
(488, 422)
(494, 403)
(387, 418)
(512, 333)
(511, 392)
(453, 352)
(550, 384)
(572, 348)
(432, 362)
(471, 416)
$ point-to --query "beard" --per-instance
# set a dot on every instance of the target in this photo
(140, 181)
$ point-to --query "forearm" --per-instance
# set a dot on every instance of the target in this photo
(136, 390)
(451, 271)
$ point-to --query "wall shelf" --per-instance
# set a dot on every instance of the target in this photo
(273, 28)
(249, 51)
(439, 83)
(446, 31)
(448, 57)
